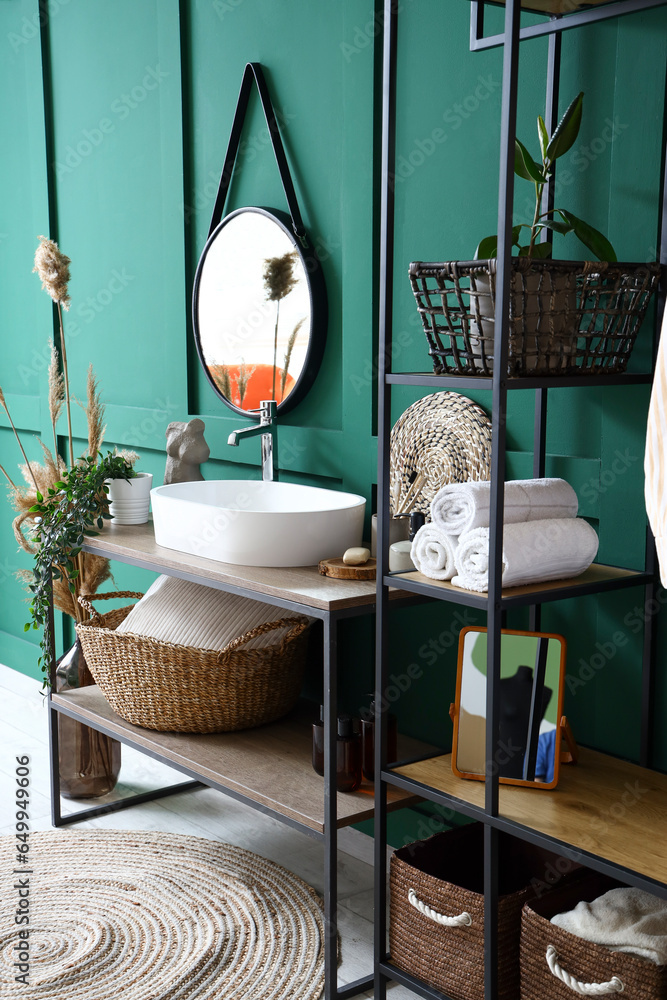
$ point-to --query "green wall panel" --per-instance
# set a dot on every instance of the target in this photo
(140, 97)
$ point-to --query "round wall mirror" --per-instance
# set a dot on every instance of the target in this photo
(259, 311)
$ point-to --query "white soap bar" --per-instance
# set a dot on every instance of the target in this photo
(356, 556)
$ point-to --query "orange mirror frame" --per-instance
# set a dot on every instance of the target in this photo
(526, 685)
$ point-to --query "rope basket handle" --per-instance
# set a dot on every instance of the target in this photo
(85, 599)
(615, 985)
(462, 920)
(300, 625)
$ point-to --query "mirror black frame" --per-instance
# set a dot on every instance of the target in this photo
(318, 309)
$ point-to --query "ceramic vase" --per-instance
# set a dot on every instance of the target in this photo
(129, 500)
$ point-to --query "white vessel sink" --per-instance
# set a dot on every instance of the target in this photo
(251, 523)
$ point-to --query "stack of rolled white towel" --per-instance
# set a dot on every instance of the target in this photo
(543, 539)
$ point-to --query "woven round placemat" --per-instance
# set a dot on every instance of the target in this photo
(146, 915)
(445, 437)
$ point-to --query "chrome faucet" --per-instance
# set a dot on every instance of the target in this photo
(268, 428)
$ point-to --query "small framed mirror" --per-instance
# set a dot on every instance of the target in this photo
(259, 311)
(532, 678)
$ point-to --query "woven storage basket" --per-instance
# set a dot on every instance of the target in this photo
(164, 686)
(566, 317)
(442, 877)
(586, 963)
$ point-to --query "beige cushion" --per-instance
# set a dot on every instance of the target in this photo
(190, 614)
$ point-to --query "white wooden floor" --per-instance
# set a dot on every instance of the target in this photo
(200, 813)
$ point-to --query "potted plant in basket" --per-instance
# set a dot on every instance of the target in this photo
(58, 504)
(565, 316)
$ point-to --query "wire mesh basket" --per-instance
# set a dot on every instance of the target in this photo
(566, 317)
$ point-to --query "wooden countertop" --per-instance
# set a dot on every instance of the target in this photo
(135, 544)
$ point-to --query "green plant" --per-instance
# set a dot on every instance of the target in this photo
(538, 174)
(58, 506)
(72, 508)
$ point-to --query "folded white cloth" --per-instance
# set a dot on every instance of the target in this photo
(461, 507)
(629, 920)
(434, 553)
(533, 551)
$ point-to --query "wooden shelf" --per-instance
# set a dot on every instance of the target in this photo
(596, 579)
(270, 765)
(135, 544)
(612, 809)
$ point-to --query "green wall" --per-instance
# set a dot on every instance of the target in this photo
(115, 131)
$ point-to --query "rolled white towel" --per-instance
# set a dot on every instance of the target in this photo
(533, 551)
(434, 553)
(461, 507)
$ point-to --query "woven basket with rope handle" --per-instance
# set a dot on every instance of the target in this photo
(168, 687)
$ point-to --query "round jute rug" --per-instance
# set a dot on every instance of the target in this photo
(154, 916)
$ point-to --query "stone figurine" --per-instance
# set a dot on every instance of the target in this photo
(186, 450)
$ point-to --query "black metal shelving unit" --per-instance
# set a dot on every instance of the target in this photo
(495, 603)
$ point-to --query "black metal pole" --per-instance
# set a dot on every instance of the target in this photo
(577, 20)
(386, 285)
(330, 655)
(54, 749)
(498, 446)
(651, 560)
(540, 428)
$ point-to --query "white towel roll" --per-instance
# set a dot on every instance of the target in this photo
(434, 553)
(461, 507)
(533, 552)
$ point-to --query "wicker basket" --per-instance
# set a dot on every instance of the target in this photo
(437, 909)
(569, 956)
(164, 686)
(566, 317)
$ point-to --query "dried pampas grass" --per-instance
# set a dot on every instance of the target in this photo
(95, 412)
(52, 266)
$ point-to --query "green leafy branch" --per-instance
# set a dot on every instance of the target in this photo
(538, 174)
(72, 509)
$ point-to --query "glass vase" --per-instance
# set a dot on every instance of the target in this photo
(89, 761)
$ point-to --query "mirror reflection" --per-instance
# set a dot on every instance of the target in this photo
(253, 314)
(531, 694)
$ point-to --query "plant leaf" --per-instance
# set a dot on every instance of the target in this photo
(567, 129)
(590, 237)
(516, 233)
(559, 227)
(540, 251)
(524, 164)
(488, 247)
(544, 136)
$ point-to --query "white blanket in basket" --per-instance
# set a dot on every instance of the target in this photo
(190, 614)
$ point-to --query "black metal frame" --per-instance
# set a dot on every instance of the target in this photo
(329, 837)
(495, 604)
(317, 330)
